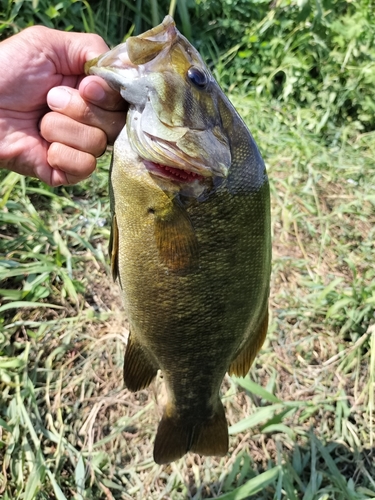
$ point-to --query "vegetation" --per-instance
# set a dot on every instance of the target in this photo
(302, 423)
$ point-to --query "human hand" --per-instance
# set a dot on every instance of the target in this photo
(42, 70)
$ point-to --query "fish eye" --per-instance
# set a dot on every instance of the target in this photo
(197, 76)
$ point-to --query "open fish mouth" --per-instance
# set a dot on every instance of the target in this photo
(164, 152)
(172, 173)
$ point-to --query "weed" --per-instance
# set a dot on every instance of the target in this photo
(302, 423)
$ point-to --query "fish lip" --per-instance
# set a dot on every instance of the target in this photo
(109, 74)
(117, 58)
(109, 64)
(94, 69)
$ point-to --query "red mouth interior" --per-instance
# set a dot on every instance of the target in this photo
(175, 173)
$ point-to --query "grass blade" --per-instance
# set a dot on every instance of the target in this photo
(24, 304)
(256, 418)
(254, 388)
(252, 487)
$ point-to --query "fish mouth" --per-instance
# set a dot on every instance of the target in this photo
(164, 152)
(171, 173)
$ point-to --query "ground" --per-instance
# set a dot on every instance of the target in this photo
(301, 423)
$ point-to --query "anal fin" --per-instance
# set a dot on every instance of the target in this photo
(242, 363)
(175, 437)
(139, 370)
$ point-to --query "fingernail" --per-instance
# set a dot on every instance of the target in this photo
(94, 92)
(58, 98)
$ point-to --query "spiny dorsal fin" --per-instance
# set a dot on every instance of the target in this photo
(176, 239)
(242, 363)
(113, 248)
(139, 370)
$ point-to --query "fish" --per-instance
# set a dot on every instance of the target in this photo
(190, 236)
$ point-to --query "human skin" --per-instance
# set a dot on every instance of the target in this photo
(54, 121)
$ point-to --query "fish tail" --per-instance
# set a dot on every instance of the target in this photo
(175, 437)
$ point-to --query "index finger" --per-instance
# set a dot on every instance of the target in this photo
(95, 90)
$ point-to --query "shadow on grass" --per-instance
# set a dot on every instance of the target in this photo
(74, 432)
(308, 471)
(69, 430)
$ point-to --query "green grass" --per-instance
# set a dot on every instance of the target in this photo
(114, 20)
(302, 422)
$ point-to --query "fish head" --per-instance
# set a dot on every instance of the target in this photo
(174, 122)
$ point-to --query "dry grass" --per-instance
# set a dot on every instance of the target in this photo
(69, 429)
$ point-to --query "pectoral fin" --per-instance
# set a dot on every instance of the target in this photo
(176, 239)
(113, 248)
(242, 363)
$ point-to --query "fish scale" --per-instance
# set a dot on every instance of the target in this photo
(192, 254)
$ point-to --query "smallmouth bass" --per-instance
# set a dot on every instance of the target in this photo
(190, 240)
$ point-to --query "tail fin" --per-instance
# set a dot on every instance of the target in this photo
(175, 437)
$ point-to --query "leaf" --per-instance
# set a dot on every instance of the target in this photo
(329, 288)
(256, 418)
(336, 475)
(79, 475)
(20, 304)
(36, 474)
(69, 287)
(56, 488)
(256, 389)
(340, 304)
(63, 248)
(5, 426)
(7, 186)
(24, 269)
(252, 487)
(11, 363)
(273, 428)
